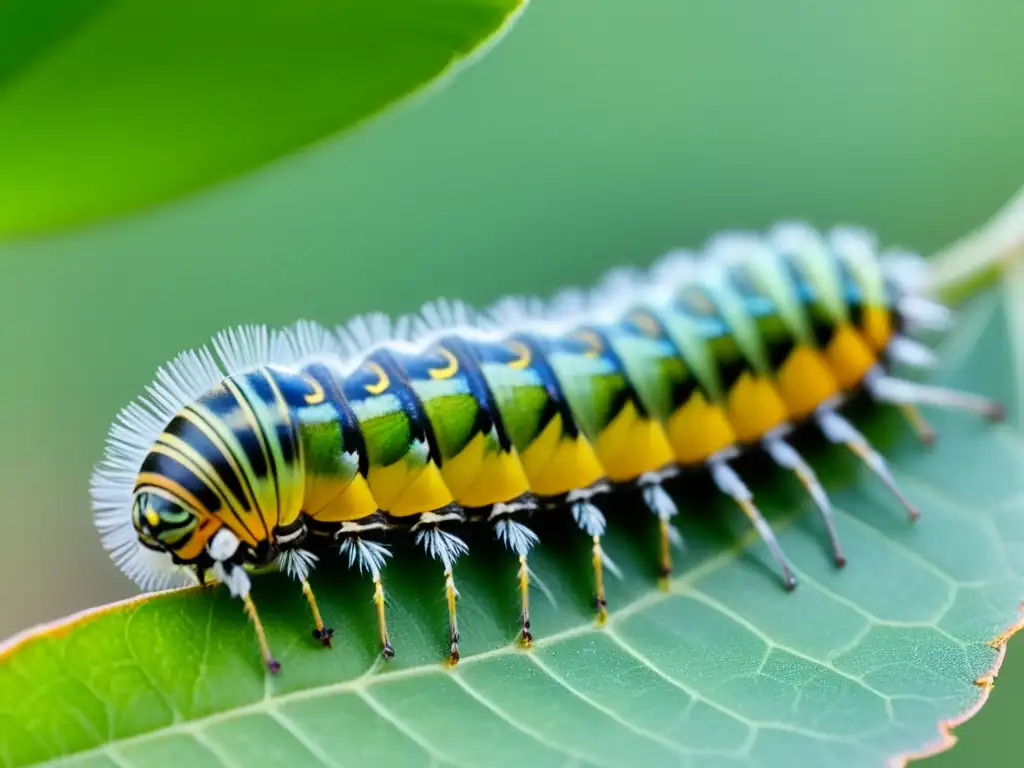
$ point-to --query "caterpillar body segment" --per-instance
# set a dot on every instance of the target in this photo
(258, 452)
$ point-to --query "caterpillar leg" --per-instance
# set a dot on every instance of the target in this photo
(925, 314)
(320, 632)
(370, 557)
(272, 664)
(925, 432)
(841, 432)
(222, 548)
(887, 389)
(298, 564)
(237, 581)
(589, 518)
(526, 634)
(447, 548)
(902, 349)
(729, 483)
(907, 351)
(599, 598)
(661, 504)
(382, 624)
(520, 540)
(451, 595)
(785, 456)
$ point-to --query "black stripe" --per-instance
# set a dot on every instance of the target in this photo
(539, 362)
(287, 432)
(198, 486)
(401, 386)
(261, 386)
(352, 438)
(470, 365)
(683, 390)
(256, 451)
(214, 454)
(628, 394)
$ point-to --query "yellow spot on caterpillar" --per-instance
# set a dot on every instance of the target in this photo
(192, 548)
(556, 463)
(317, 395)
(152, 518)
(383, 382)
(524, 357)
(849, 356)
(424, 494)
(481, 475)
(631, 445)
(593, 342)
(333, 500)
(877, 327)
(169, 489)
(698, 301)
(755, 407)
(646, 323)
(806, 381)
(699, 430)
(402, 490)
(449, 370)
(197, 541)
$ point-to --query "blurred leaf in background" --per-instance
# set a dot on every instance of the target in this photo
(110, 105)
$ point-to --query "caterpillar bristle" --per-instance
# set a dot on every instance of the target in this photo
(325, 442)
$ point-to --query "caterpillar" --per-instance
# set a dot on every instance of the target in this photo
(251, 454)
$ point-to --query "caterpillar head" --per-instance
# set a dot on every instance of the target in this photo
(206, 468)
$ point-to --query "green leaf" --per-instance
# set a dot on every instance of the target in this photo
(724, 668)
(109, 105)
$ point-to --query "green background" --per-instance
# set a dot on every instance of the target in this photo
(598, 133)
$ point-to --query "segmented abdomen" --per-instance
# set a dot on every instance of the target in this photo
(695, 359)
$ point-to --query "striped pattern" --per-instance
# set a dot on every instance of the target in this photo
(312, 434)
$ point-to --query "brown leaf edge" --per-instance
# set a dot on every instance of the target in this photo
(945, 741)
(64, 626)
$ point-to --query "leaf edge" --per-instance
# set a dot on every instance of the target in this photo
(947, 739)
(421, 92)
